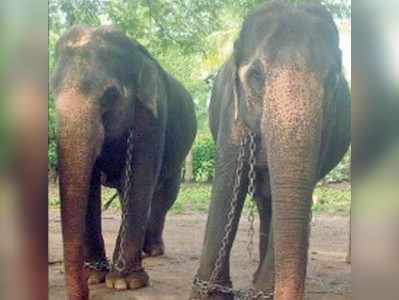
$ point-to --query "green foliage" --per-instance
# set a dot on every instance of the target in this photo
(332, 199)
(65, 13)
(52, 148)
(195, 198)
(204, 152)
(342, 171)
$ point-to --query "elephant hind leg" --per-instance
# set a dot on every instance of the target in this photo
(164, 197)
(94, 242)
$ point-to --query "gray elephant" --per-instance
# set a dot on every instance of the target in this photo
(125, 123)
(284, 92)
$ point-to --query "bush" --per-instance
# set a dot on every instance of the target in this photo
(341, 172)
(204, 151)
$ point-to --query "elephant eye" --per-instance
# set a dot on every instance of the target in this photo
(256, 81)
(111, 93)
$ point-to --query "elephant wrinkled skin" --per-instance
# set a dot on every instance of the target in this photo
(285, 84)
(106, 85)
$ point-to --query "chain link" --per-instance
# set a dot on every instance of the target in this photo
(101, 265)
(248, 294)
(230, 216)
(251, 192)
(120, 263)
(207, 287)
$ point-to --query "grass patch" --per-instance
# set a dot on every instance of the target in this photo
(332, 199)
(194, 198)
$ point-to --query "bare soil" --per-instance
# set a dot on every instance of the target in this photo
(171, 275)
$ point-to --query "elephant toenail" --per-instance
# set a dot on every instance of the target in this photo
(120, 284)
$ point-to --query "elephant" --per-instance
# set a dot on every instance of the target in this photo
(125, 123)
(283, 91)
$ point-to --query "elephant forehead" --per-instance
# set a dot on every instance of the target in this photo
(294, 95)
(80, 41)
(78, 37)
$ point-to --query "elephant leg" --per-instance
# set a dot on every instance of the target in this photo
(349, 254)
(222, 194)
(94, 242)
(163, 199)
(130, 239)
(128, 272)
(264, 276)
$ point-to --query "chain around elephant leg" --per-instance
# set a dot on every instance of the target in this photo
(98, 270)
(120, 263)
(251, 192)
(122, 276)
(206, 288)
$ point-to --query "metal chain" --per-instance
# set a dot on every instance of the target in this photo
(207, 287)
(248, 294)
(251, 192)
(231, 214)
(120, 263)
(101, 265)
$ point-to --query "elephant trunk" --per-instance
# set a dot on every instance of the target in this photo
(291, 134)
(80, 137)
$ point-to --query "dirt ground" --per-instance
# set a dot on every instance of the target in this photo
(171, 275)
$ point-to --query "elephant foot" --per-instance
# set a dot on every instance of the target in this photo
(267, 288)
(97, 270)
(133, 281)
(196, 295)
(214, 296)
(78, 297)
(96, 277)
(154, 249)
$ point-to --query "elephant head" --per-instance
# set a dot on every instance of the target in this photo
(99, 79)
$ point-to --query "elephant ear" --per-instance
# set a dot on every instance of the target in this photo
(236, 81)
(149, 85)
(241, 106)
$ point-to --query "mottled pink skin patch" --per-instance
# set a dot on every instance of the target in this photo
(293, 114)
(74, 110)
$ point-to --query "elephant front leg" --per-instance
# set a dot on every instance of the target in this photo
(264, 276)
(95, 257)
(222, 194)
(127, 271)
